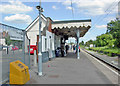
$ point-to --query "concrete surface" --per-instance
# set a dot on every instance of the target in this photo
(69, 70)
(5, 60)
(109, 72)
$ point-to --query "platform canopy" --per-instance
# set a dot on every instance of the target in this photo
(69, 28)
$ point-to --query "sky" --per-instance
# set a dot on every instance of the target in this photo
(20, 13)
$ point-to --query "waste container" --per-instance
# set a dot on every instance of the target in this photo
(19, 73)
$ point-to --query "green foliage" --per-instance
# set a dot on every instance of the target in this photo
(106, 50)
(113, 28)
(81, 43)
(7, 40)
(111, 43)
(111, 38)
(89, 42)
(104, 40)
(82, 46)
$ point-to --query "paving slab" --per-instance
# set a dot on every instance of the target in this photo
(69, 70)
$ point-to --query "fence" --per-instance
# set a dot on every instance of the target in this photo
(26, 49)
(14, 45)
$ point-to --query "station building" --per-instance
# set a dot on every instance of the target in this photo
(55, 33)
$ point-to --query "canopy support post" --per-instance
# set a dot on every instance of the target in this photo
(78, 36)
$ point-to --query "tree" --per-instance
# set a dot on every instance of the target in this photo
(88, 43)
(81, 43)
(7, 40)
(104, 40)
(113, 28)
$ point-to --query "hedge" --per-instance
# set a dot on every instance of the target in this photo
(106, 50)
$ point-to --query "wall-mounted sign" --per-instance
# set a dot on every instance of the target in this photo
(16, 35)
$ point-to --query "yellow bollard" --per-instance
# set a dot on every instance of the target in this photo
(19, 73)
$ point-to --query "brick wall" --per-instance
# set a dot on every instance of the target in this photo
(50, 26)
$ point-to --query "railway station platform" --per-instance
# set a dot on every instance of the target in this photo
(69, 70)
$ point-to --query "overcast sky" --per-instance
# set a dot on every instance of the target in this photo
(20, 13)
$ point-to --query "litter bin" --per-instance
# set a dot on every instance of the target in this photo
(19, 73)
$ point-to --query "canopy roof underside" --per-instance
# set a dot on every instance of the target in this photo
(69, 28)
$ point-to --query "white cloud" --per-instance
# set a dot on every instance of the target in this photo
(56, 20)
(18, 18)
(69, 8)
(101, 26)
(67, 2)
(92, 7)
(54, 7)
(14, 7)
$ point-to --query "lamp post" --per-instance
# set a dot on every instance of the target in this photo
(40, 43)
(78, 36)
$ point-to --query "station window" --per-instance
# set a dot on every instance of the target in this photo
(45, 43)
